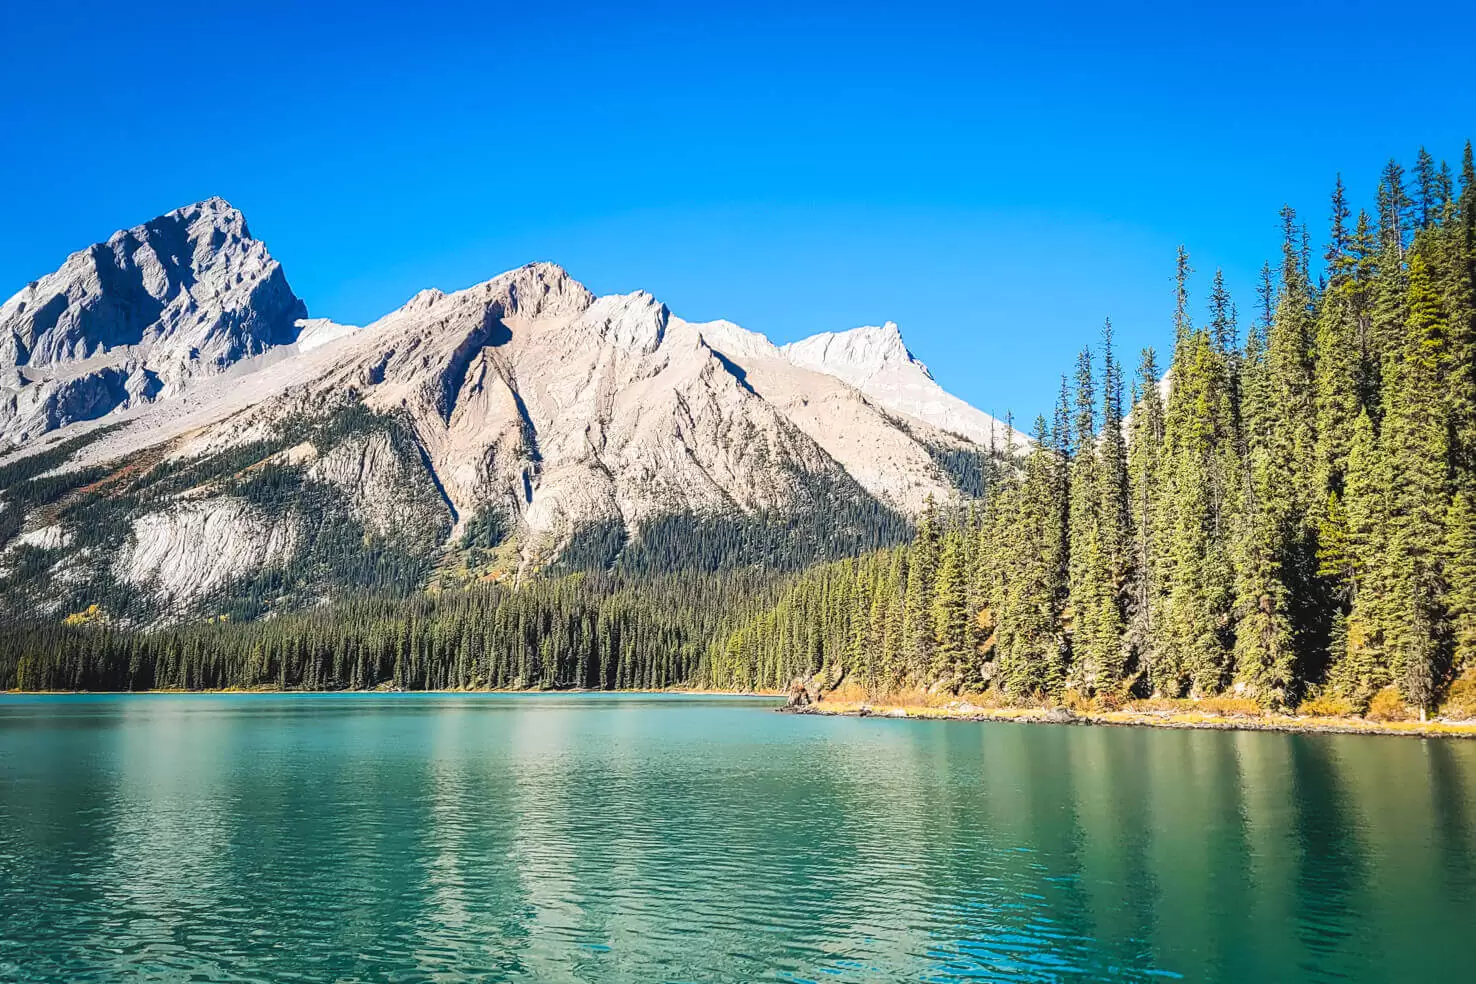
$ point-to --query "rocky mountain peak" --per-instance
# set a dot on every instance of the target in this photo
(628, 322)
(857, 353)
(139, 315)
(876, 361)
(529, 291)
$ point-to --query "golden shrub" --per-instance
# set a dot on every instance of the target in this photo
(1460, 704)
(1079, 703)
(1387, 705)
(1326, 705)
(1229, 706)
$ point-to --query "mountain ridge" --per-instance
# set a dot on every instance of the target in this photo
(282, 454)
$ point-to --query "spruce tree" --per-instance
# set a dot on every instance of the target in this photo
(1460, 578)
(1114, 536)
(1030, 658)
(1416, 438)
(1200, 471)
(1339, 379)
(1146, 612)
(950, 615)
(1394, 210)
(922, 567)
(1429, 199)
(1084, 521)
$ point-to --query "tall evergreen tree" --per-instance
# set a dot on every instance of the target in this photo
(1200, 471)
(1146, 611)
(1429, 198)
(1338, 376)
(1115, 535)
(1416, 447)
(922, 567)
(1085, 556)
(951, 631)
(1031, 657)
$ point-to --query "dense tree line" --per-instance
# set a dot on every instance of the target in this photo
(581, 631)
(1290, 514)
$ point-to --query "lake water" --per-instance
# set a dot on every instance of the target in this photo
(618, 838)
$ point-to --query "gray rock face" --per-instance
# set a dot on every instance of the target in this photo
(182, 553)
(561, 410)
(138, 317)
(876, 362)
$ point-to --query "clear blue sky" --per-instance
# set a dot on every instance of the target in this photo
(996, 181)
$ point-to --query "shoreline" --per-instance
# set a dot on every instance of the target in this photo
(1186, 719)
(291, 692)
(1182, 720)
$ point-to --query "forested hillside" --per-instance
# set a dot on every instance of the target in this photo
(586, 631)
(1292, 514)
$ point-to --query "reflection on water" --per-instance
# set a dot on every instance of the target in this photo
(435, 838)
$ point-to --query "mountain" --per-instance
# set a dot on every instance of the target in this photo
(876, 362)
(190, 443)
(137, 318)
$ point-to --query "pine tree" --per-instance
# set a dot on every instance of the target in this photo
(1114, 537)
(1222, 316)
(1460, 578)
(1225, 330)
(1200, 470)
(950, 611)
(1183, 325)
(1290, 407)
(1085, 558)
(1466, 207)
(922, 566)
(1339, 376)
(1263, 649)
(893, 664)
(1146, 612)
(1394, 210)
(1339, 254)
(1415, 434)
(1452, 254)
(1429, 201)
(1030, 657)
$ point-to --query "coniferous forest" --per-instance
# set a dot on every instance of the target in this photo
(607, 632)
(1282, 508)
(1279, 515)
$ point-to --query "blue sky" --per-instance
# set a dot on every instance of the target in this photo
(995, 180)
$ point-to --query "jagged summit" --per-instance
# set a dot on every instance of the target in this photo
(877, 362)
(137, 317)
(865, 349)
(529, 290)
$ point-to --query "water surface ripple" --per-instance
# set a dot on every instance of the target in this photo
(419, 838)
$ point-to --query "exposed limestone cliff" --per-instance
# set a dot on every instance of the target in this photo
(186, 551)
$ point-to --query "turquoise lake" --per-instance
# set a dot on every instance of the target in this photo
(435, 838)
